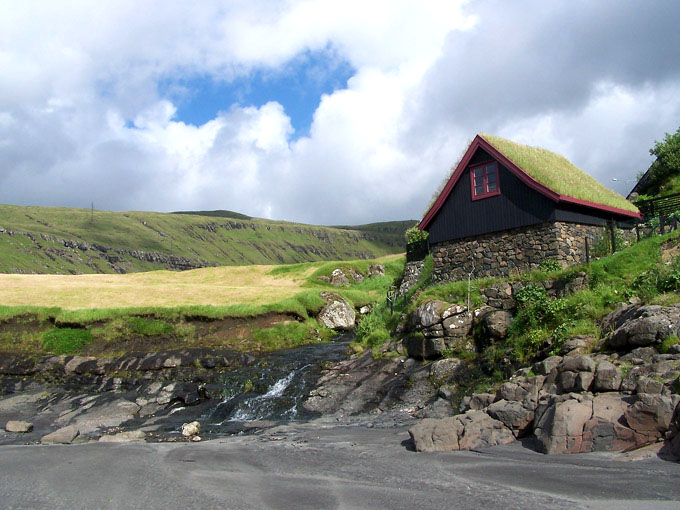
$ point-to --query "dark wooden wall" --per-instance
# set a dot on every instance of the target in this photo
(517, 206)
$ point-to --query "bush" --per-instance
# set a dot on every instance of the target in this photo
(549, 265)
(414, 234)
(603, 242)
(65, 340)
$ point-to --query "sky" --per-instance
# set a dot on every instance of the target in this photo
(319, 111)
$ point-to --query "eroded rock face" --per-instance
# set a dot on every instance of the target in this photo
(474, 429)
(337, 313)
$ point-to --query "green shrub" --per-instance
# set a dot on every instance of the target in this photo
(549, 265)
(668, 343)
(414, 234)
(65, 340)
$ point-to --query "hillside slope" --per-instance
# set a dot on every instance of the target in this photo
(54, 240)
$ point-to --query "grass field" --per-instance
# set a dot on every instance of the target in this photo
(215, 286)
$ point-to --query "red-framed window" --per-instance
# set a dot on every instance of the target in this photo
(484, 180)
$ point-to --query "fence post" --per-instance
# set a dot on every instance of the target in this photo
(662, 226)
(587, 252)
(612, 233)
(637, 232)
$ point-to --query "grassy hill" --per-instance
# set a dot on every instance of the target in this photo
(51, 240)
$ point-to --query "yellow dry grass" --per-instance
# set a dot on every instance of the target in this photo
(217, 286)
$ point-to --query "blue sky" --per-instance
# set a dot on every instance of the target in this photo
(298, 87)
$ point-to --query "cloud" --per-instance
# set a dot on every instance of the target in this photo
(83, 118)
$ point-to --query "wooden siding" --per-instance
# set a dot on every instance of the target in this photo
(517, 206)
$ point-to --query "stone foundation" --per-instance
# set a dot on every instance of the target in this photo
(512, 251)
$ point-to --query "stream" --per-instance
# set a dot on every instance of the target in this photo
(274, 388)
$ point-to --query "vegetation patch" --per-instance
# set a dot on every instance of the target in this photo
(66, 340)
(558, 173)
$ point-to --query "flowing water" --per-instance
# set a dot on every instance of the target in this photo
(273, 388)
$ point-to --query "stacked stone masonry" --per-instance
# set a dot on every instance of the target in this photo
(512, 251)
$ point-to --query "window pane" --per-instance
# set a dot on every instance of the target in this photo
(491, 177)
(492, 186)
(491, 168)
(479, 190)
(479, 181)
(479, 172)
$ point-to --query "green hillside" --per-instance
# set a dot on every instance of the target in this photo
(64, 240)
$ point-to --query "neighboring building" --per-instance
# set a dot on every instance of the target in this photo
(509, 206)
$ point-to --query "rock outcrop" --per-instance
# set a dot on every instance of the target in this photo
(578, 402)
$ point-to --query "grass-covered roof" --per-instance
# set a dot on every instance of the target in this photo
(559, 174)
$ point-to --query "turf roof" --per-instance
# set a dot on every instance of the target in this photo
(558, 173)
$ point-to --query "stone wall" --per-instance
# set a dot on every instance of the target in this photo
(512, 251)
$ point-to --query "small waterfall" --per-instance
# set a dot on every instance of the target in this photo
(274, 388)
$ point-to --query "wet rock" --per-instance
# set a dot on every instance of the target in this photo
(64, 435)
(20, 427)
(337, 313)
(474, 429)
(191, 429)
(419, 347)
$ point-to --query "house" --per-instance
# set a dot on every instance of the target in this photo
(507, 207)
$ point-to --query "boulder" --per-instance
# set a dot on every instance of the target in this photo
(339, 278)
(356, 275)
(607, 377)
(547, 365)
(513, 415)
(560, 428)
(458, 325)
(496, 323)
(651, 415)
(64, 435)
(191, 429)
(468, 431)
(606, 430)
(20, 427)
(576, 345)
(636, 326)
(445, 369)
(578, 364)
(428, 314)
(337, 313)
(376, 270)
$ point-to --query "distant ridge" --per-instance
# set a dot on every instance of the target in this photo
(219, 213)
(60, 240)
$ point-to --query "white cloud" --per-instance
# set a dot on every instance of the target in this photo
(595, 84)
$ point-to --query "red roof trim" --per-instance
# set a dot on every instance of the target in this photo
(519, 173)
